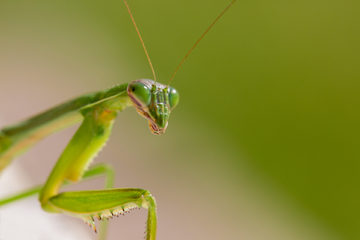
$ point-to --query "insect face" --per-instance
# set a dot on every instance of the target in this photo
(154, 101)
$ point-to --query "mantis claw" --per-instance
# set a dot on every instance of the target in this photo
(90, 221)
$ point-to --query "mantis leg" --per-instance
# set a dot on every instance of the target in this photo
(72, 164)
(98, 170)
(107, 203)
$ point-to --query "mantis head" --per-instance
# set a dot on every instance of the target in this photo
(154, 101)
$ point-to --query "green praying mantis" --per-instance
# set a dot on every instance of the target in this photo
(96, 112)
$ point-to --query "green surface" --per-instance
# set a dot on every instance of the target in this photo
(274, 87)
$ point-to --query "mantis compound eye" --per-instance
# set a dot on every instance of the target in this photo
(139, 93)
(173, 97)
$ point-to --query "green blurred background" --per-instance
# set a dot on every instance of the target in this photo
(265, 142)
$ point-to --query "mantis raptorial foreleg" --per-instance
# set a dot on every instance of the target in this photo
(83, 147)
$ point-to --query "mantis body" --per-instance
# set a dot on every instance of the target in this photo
(96, 112)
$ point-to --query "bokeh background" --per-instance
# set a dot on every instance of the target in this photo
(264, 144)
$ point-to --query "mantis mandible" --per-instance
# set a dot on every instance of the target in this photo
(96, 112)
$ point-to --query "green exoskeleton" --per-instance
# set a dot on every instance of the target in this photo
(96, 112)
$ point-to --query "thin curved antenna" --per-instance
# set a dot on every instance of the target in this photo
(201, 38)
(142, 42)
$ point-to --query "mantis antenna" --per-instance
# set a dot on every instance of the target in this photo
(142, 42)
(201, 38)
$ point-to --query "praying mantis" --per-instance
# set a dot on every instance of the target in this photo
(96, 112)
